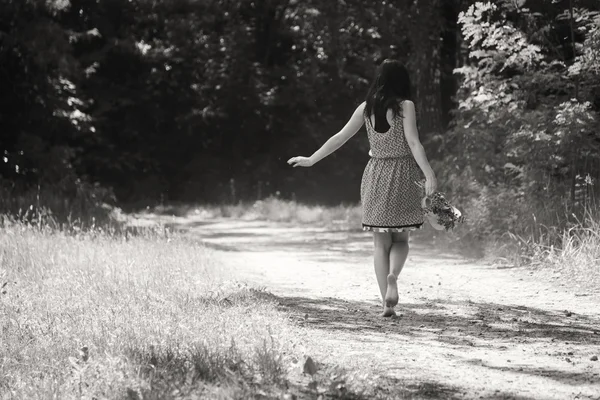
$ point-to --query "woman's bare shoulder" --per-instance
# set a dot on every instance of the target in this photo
(407, 103)
(408, 107)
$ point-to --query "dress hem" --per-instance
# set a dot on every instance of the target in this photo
(403, 228)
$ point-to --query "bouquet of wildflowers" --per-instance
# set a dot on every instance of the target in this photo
(440, 213)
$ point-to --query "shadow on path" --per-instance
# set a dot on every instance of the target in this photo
(442, 317)
(572, 378)
(460, 328)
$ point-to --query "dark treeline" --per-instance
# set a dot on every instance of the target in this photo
(204, 100)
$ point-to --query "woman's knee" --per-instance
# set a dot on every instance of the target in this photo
(382, 240)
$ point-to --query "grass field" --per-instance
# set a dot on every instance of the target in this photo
(154, 317)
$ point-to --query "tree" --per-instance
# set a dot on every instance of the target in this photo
(526, 130)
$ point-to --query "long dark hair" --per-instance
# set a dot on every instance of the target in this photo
(391, 85)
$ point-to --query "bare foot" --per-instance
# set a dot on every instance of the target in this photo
(391, 295)
(388, 312)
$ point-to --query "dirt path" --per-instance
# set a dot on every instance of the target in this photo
(466, 330)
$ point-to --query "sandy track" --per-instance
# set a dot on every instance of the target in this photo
(467, 330)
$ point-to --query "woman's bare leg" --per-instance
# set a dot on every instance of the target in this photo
(398, 252)
(398, 255)
(382, 242)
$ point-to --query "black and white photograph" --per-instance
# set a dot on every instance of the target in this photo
(299, 199)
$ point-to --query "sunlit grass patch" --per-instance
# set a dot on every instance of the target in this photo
(103, 317)
(572, 253)
(576, 258)
(277, 210)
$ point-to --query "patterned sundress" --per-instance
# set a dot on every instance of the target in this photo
(390, 196)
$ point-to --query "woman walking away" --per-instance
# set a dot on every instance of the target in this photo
(390, 194)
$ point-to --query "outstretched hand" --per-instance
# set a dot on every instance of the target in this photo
(300, 162)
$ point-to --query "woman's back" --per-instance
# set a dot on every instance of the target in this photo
(390, 143)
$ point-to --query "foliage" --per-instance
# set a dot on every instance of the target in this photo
(525, 142)
(175, 100)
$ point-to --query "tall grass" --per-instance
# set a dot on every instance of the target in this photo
(277, 210)
(573, 252)
(95, 316)
(84, 205)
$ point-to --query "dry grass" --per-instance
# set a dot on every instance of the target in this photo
(86, 205)
(93, 314)
(277, 210)
(578, 257)
(571, 253)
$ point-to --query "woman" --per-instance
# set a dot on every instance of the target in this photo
(390, 196)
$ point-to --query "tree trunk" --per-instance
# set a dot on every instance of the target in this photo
(450, 57)
(425, 64)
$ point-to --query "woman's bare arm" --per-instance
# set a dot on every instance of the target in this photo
(334, 142)
(412, 137)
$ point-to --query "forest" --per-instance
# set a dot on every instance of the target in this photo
(140, 102)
